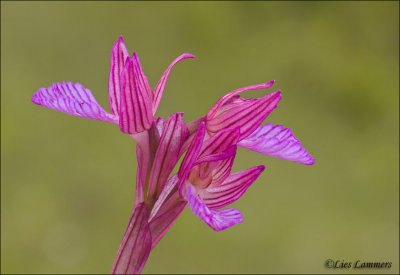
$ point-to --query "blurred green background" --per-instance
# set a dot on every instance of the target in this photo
(68, 183)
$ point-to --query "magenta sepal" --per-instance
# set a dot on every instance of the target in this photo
(73, 99)
(135, 110)
(278, 142)
(119, 53)
(159, 89)
(247, 114)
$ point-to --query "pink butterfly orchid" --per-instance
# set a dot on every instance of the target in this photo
(208, 147)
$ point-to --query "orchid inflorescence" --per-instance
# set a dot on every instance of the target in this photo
(208, 146)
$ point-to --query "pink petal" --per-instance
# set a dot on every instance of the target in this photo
(220, 141)
(230, 152)
(223, 169)
(191, 156)
(142, 79)
(173, 136)
(135, 105)
(119, 54)
(278, 142)
(214, 109)
(136, 244)
(212, 168)
(155, 135)
(160, 123)
(247, 114)
(219, 195)
(192, 126)
(158, 91)
(216, 219)
(72, 99)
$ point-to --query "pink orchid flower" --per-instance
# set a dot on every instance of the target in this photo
(204, 176)
(132, 102)
(204, 180)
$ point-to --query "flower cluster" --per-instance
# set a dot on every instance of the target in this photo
(208, 147)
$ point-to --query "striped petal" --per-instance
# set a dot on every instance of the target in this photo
(136, 244)
(135, 105)
(219, 195)
(73, 99)
(212, 168)
(231, 151)
(216, 219)
(159, 89)
(278, 142)
(119, 53)
(192, 126)
(160, 123)
(220, 142)
(223, 100)
(191, 156)
(173, 136)
(247, 114)
(142, 79)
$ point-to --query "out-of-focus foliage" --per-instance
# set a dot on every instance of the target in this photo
(67, 183)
